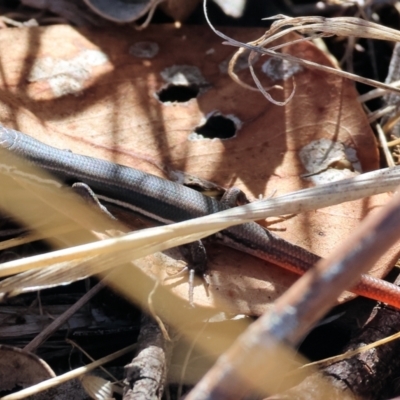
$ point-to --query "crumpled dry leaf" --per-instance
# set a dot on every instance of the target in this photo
(21, 368)
(118, 87)
(121, 11)
(129, 11)
(71, 10)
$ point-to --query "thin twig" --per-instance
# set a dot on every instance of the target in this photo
(50, 329)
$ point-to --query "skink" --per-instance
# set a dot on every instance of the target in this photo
(168, 202)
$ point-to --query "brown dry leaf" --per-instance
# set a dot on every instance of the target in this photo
(98, 94)
(21, 368)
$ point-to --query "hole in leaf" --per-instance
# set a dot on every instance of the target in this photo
(217, 126)
(178, 93)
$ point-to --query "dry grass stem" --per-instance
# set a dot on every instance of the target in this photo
(384, 145)
(47, 384)
(91, 258)
(328, 361)
(315, 27)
